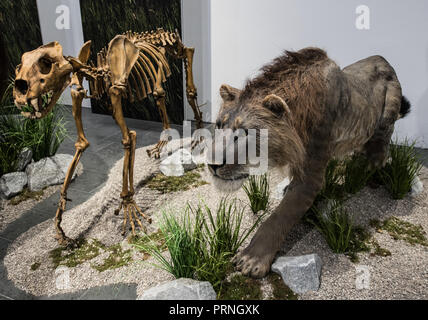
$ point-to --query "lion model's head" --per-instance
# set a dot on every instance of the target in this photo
(287, 99)
(238, 115)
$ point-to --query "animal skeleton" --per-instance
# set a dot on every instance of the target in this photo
(133, 66)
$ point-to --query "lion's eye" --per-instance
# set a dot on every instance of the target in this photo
(45, 65)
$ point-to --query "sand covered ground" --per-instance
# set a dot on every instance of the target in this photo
(402, 275)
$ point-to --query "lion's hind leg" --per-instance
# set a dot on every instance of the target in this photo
(377, 148)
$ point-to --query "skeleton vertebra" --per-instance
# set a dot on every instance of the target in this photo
(133, 66)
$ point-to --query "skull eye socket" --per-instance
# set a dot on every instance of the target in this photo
(45, 65)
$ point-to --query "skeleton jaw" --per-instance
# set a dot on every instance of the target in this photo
(42, 105)
(38, 107)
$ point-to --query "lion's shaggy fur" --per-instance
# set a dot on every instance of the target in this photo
(295, 77)
(324, 102)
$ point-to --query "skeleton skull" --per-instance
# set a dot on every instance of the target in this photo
(40, 79)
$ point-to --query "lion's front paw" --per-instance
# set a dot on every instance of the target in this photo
(253, 261)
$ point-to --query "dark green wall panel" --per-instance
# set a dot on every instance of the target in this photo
(102, 20)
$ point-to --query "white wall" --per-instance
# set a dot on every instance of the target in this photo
(196, 26)
(71, 37)
(245, 34)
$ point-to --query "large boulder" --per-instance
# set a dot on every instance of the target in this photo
(177, 164)
(301, 274)
(181, 289)
(12, 184)
(48, 171)
(24, 158)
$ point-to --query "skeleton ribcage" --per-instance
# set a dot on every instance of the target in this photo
(151, 64)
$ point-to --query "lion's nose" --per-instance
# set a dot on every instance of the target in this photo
(21, 85)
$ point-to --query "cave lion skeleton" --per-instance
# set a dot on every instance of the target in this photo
(133, 66)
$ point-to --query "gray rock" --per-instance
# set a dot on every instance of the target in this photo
(181, 289)
(48, 171)
(12, 184)
(300, 274)
(417, 187)
(178, 163)
(24, 158)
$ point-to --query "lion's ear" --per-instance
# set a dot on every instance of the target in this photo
(276, 104)
(229, 93)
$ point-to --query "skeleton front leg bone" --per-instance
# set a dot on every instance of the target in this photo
(191, 91)
(81, 145)
(159, 95)
(130, 208)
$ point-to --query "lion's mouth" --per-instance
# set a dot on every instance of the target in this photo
(234, 178)
(37, 108)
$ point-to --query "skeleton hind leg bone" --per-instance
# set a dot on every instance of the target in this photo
(130, 208)
(81, 145)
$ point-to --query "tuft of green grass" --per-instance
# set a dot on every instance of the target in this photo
(332, 188)
(335, 225)
(164, 184)
(200, 243)
(25, 195)
(401, 170)
(356, 173)
(42, 136)
(239, 287)
(257, 190)
(402, 230)
(339, 231)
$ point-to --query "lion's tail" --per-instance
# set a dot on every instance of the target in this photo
(405, 107)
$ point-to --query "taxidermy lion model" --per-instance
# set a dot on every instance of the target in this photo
(314, 112)
(134, 65)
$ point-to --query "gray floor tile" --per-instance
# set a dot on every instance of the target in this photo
(89, 182)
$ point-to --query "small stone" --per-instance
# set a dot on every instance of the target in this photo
(181, 289)
(301, 274)
(281, 188)
(12, 184)
(24, 158)
(417, 187)
(177, 164)
(48, 171)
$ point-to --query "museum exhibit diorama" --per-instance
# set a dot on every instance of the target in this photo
(293, 170)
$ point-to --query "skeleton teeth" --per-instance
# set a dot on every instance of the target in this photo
(35, 103)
